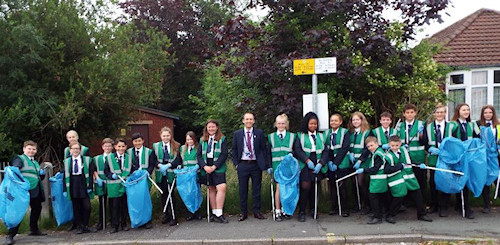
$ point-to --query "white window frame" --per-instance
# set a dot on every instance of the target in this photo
(467, 85)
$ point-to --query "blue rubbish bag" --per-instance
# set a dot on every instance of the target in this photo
(188, 187)
(287, 175)
(61, 206)
(138, 199)
(475, 160)
(14, 197)
(451, 152)
(489, 140)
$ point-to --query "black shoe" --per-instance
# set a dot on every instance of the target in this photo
(287, 216)
(345, 214)
(355, 210)
(193, 217)
(113, 230)
(87, 229)
(37, 233)
(333, 211)
(374, 221)
(258, 216)
(302, 217)
(98, 227)
(443, 213)
(148, 225)
(221, 219)
(425, 218)
(402, 208)
(71, 227)
(9, 240)
(173, 222)
(125, 227)
(469, 214)
(486, 210)
(278, 218)
(432, 210)
(242, 217)
(166, 219)
(390, 219)
(79, 230)
(212, 217)
(365, 211)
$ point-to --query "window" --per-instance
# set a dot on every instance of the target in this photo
(457, 79)
(496, 98)
(496, 76)
(456, 96)
(479, 77)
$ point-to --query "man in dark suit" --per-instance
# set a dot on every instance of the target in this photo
(248, 151)
(30, 169)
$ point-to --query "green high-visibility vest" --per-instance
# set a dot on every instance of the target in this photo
(67, 173)
(115, 187)
(188, 158)
(378, 181)
(100, 162)
(30, 171)
(395, 180)
(471, 127)
(158, 148)
(417, 151)
(217, 150)
(339, 140)
(410, 179)
(380, 135)
(83, 152)
(280, 147)
(431, 135)
(307, 148)
(358, 145)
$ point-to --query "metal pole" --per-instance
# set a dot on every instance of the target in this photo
(338, 198)
(272, 198)
(315, 197)
(315, 93)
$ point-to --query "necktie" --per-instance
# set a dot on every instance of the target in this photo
(121, 162)
(166, 155)
(398, 154)
(249, 144)
(386, 134)
(314, 137)
(355, 137)
(75, 167)
(136, 159)
(210, 142)
(409, 127)
(439, 137)
(281, 136)
(464, 126)
(334, 136)
(488, 124)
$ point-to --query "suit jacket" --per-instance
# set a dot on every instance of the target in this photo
(259, 144)
(17, 162)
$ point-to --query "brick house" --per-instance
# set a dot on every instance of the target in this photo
(147, 121)
(471, 46)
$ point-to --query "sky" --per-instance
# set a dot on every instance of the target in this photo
(457, 10)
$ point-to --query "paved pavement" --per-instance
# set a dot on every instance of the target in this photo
(327, 229)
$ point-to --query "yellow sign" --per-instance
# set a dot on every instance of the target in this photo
(303, 67)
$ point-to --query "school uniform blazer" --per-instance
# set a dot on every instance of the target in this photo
(17, 162)
(259, 144)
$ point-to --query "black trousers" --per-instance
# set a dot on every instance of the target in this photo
(416, 196)
(421, 175)
(486, 196)
(333, 176)
(119, 212)
(102, 208)
(81, 211)
(247, 170)
(164, 185)
(458, 204)
(36, 209)
(394, 205)
(435, 194)
(376, 200)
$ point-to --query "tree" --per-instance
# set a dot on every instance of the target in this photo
(188, 24)
(373, 57)
(64, 66)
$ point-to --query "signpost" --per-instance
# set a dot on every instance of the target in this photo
(313, 67)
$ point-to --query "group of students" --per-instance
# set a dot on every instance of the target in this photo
(390, 166)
